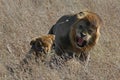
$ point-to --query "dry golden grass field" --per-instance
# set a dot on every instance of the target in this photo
(22, 20)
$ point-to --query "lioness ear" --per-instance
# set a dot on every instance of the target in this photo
(32, 42)
(53, 37)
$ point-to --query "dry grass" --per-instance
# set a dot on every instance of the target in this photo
(21, 20)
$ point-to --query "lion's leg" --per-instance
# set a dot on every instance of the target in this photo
(64, 55)
(59, 51)
(84, 56)
(87, 60)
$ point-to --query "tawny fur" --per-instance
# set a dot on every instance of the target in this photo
(46, 42)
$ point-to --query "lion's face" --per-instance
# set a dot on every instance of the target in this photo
(85, 32)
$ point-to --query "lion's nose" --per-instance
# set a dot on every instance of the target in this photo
(83, 34)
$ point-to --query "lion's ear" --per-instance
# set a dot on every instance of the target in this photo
(32, 42)
(80, 15)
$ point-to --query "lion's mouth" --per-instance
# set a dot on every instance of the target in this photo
(81, 42)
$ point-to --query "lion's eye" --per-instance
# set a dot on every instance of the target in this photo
(80, 26)
(90, 31)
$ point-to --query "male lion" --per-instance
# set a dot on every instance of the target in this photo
(76, 33)
(43, 43)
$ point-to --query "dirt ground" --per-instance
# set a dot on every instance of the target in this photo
(21, 20)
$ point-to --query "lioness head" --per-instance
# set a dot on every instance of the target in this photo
(85, 31)
(43, 43)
